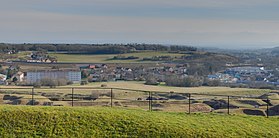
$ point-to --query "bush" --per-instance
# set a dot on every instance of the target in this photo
(189, 81)
(212, 83)
(70, 83)
(62, 82)
(104, 85)
(84, 83)
(48, 82)
(51, 83)
(150, 80)
(37, 85)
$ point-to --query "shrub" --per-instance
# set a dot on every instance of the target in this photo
(62, 82)
(70, 83)
(189, 81)
(212, 83)
(84, 82)
(151, 80)
(37, 84)
(48, 82)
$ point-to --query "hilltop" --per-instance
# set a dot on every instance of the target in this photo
(29, 121)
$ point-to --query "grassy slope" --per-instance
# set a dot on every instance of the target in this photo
(105, 58)
(100, 122)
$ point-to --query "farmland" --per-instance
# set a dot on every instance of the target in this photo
(29, 121)
(135, 96)
(204, 90)
(141, 86)
(107, 58)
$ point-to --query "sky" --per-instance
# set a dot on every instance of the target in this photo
(226, 24)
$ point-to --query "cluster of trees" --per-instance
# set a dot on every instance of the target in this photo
(9, 71)
(121, 57)
(183, 48)
(178, 81)
(189, 81)
(92, 48)
(151, 80)
(52, 82)
(159, 58)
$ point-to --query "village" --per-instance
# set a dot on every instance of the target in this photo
(158, 73)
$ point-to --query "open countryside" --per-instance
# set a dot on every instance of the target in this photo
(109, 58)
(167, 81)
(139, 69)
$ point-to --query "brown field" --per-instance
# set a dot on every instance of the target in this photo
(138, 100)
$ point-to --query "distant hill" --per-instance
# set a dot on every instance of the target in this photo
(269, 51)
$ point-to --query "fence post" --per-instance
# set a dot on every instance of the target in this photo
(267, 107)
(189, 103)
(72, 97)
(228, 104)
(33, 96)
(111, 92)
(149, 101)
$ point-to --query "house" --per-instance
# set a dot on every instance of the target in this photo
(3, 79)
(19, 77)
(91, 66)
(95, 77)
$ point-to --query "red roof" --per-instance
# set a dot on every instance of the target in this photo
(92, 66)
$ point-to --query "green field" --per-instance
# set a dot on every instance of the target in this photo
(106, 58)
(24, 121)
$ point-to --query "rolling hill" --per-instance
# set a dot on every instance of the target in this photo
(27, 121)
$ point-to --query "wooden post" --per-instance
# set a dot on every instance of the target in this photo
(228, 104)
(33, 102)
(149, 101)
(189, 103)
(267, 107)
(111, 92)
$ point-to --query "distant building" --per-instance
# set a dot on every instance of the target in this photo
(19, 76)
(3, 79)
(246, 70)
(36, 76)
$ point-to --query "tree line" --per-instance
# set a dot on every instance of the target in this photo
(92, 48)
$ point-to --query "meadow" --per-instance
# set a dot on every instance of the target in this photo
(107, 58)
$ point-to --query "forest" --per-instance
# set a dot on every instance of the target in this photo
(93, 48)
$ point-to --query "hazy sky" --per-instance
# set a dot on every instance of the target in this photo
(218, 23)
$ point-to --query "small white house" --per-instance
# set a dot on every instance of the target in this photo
(3, 79)
(19, 76)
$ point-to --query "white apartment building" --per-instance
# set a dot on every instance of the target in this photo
(36, 76)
